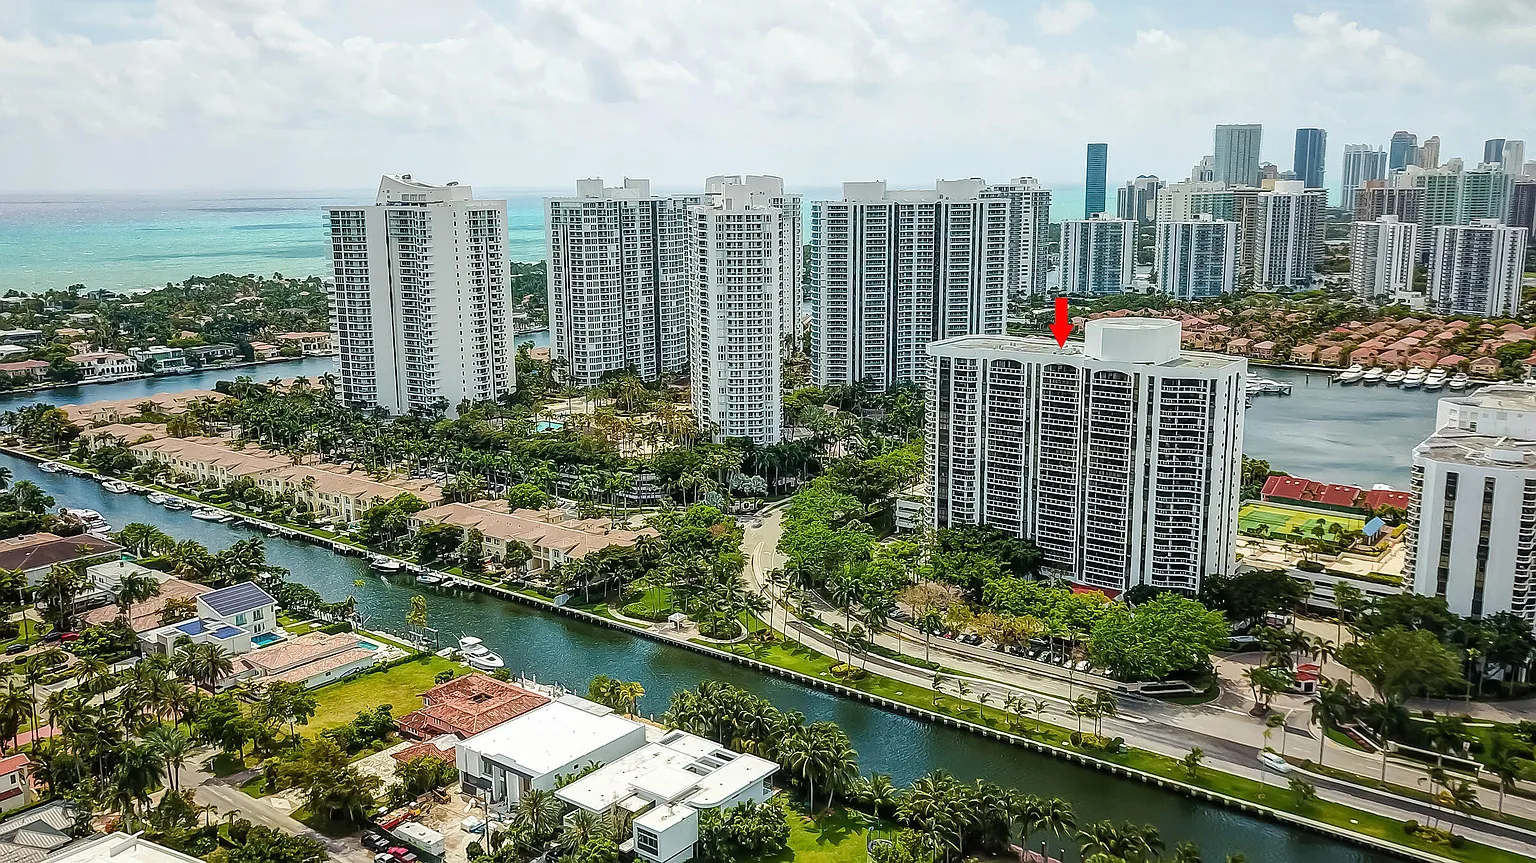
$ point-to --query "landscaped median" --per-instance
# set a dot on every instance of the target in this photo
(1276, 799)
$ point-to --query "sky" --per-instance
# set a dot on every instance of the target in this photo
(324, 94)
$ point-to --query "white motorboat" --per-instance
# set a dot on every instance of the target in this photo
(1414, 379)
(1435, 380)
(380, 563)
(174, 503)
(477, 655)
(90, 519)
(210, 515)
(1351, 375)
(1372, 377)
(1459, 381)
(1394, 377)
(158, 498)
(429, 578)
(50, 467)
(116, 486)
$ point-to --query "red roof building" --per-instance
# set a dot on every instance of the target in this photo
(468, 705)
(1302, 490)
(1380, 497)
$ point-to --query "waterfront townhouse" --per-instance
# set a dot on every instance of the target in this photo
(1120, 456)
(1472, 514)
(23, 371)
(550, 535)
(207, 460)
(161, 360)
(468, 705)
(338, 495)
(420, 297)
(115, 410)
(313, 344)
(660, 789)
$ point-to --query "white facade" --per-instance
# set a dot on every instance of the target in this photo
(1476, 269)
(741, 260)
(1362, 162)
(1029, 224)
(1119, 457)
(1472, 517)
(1197, 258)
(1175, 201)
(421, 295)
(1098, 255)
(876, 257)
(617, 281)
(1289, 245)
(1381, 258)
(532, 750)
(657, 792)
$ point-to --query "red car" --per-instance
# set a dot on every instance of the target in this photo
(70, 636)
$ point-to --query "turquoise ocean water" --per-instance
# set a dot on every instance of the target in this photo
(126, 241)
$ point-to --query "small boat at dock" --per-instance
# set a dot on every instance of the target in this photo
(380, 563)
(1435, 380)
(50, 467)
(116, 486)
(1459, 382)
(429, 578)
(1372, 377)
(210, 515)
(1351, 375)
(1414, 379)
(1394, 377)
(477, 655)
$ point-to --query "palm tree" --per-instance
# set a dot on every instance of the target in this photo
(879, 794)
(139, 766)
(203, 664)
(1503, 762)
(1330, 708)
(1105, 704)
(174, 745)
(133, 588)
(1462, 795)
(538, 811)
(16, 704)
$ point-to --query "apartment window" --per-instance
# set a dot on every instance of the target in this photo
(646, 842)
(1480, 575)
(239, 620)
(1447, 526)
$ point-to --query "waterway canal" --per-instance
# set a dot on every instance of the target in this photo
(560, 649)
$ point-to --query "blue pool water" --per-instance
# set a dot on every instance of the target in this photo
(367, 645)
(265, 639)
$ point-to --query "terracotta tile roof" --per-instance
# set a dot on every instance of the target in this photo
(573, 537)
(303, 672)
(1300, 489)
(144, 616)
(469, 705)
(1285, 487)
(425, 747)
(13, 763)
(1377, 497)
(305, 648)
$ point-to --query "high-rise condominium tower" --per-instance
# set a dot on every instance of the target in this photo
(617, 280)
(1428, 155)
(1237, 154)
(420, 301)
(1029, 225)
(1362, 162)
(1514, 157)
(1097, 179)
(1098, 255)
(1290, 235)
(1403, 151)
(1197, 257)
(1493, 150)
(740, 256)
(1137, 199)
(1311, 150)
(893, 270)
(1382, 254)
(1475, 269)
(1120, 457)
(1522, 205)
(1457, 197)
(1473, 507)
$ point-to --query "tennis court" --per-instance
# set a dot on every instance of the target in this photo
(1292, 523)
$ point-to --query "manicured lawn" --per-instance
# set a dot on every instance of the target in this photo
(654, 604)
(400, 687)
(325, 826)
(226, 764)
(1292, 524)
(834, 836)
(256, 786)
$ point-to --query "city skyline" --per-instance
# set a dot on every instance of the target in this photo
(338, 90)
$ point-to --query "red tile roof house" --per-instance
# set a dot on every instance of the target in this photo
(1262, 350)
(1454, 361)
(1363, 355)
(1425, 359)
(1304, 354)
(36, 553)
(1239, 347)
(1390, 359)
(15, 782)
(468, 705)
(1484, 367)
(31, 369)
(1331, 355)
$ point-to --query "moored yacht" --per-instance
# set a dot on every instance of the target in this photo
(1435, 380)
(1459, 381)
(1352, 374)
(1414, 379)
(1394, 377)
(477, 655)
(116, 486)
(1372, 377)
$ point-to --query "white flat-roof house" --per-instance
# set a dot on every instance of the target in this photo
(228, 617)
(655, 793)
(532, 750)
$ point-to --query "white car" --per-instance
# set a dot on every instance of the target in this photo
(1274, 762)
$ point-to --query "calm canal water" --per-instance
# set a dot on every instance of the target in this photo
(559, 649)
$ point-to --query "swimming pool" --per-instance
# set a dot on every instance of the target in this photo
(367, 645)
(265, 639)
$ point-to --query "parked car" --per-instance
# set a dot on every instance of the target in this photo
(375, 841)
(1273, 761)
(70, 636)
(16, 648)
(53, 636)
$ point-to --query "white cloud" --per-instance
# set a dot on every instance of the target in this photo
(1064, 17)
(305, 93)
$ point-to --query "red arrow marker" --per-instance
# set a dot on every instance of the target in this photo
(1063, 327)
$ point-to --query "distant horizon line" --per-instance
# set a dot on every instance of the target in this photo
(275, 191)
